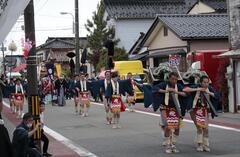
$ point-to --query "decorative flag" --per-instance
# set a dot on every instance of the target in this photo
(50, 70)
(58, 69)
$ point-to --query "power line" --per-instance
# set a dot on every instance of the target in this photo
(61, 17)
(47, 30)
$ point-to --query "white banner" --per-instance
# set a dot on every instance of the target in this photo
(10, 10)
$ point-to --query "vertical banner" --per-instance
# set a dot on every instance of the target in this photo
(50, 70)
(58, 69)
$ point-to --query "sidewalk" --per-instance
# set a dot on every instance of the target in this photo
(55, 147)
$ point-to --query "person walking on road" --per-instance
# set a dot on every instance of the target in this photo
(200, 109)
(61, 87)
(169, 114)
(19, 98)
(75, 88)
(84, 95)
(130, 98)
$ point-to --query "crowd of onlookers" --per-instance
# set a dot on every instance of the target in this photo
(54, 92)
(22, 144)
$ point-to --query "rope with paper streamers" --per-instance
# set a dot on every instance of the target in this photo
(163, 70)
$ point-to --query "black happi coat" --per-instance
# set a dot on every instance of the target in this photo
(153, 97)
(124, 87)
(214, 100)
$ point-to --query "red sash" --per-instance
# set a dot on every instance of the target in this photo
(200, 116)
(18, 99)
(18, 96)
(84, 97)
(172, 118)
(117, 104)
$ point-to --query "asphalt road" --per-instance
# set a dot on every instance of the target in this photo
(140, 135)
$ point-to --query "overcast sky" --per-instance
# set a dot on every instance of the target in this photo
(50, 23)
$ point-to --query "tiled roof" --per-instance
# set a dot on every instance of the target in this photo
(62, 43)
(197, 26)
(146, 8)
(218, 5)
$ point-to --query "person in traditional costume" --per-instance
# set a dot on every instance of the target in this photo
(130, 98)
(199, 109)
(75, 89)
(107, 92)
(112, 89)
(169, 97)
(84, 95)
(47, 88)
(169, 112)
(19, 98)
(61, 87)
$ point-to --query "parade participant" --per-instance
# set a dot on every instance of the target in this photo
(61, 87)
(116, 104)
(19, 98)
(200, 110)
(168, 110)
(75, 89)
(107, 95)
(130, 98)
(169, 98)
(84, 95)
(47, 88)
(108, 87)
(69, 92)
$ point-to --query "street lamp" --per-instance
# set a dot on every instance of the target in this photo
(12, 47)
(73, 24)
(76, 32)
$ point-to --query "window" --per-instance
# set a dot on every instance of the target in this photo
(165, 31)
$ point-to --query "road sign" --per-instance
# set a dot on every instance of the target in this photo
(174, 60)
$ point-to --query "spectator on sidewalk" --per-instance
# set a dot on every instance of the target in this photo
(44, 138)
(22, 138)
(5, 143)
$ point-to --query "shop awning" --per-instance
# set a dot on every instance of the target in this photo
(161, 53)
(230, 54)
(139, 56)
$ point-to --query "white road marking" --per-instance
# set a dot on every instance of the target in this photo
(67, 142)
(85, 153)
(78, 149)
(185, 120)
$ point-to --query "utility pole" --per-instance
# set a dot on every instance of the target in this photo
(77, 61)
(32, 90)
